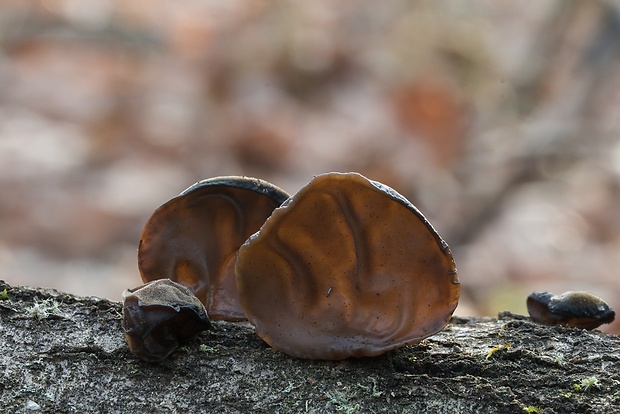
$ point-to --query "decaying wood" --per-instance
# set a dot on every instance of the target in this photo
(63, 354)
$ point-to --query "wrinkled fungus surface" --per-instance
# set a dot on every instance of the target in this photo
(346, 267)
(159, 316)
(575, 309)
(193, 239)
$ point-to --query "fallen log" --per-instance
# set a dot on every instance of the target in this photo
(60, 353)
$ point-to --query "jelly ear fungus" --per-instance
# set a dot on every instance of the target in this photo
(159, 316)
(193, 238)
(576, 309)
(346, 267)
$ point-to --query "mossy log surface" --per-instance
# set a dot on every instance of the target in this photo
(65, 354)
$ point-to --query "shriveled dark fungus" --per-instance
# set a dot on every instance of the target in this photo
(193, 239)
(159, 316)
(574, 309)
(346, 267)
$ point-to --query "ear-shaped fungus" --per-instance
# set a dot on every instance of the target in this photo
(346, 267)
(193, 239)
(574, 309)
(159, 316)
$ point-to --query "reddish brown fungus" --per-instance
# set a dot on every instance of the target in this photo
(346, 267)
(159, 316)
(574, 309)
(193, 239)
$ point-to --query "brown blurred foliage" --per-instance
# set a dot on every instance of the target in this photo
(499, 120)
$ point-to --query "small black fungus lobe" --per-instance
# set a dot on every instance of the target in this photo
(575, 309)
(159, 316)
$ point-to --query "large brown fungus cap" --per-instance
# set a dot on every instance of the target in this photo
(193, 239)
(346, 267)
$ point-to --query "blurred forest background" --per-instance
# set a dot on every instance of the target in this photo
(499, 120)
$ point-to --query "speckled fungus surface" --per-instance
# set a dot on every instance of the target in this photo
(346, 267)
(575, 309)
(193, 239)
(159, 316)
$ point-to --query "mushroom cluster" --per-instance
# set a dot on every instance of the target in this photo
(345, 267)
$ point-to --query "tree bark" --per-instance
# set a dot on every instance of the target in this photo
(66, 354)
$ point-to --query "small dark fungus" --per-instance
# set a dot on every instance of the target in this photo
(193, 238)
(574, 309)
(346, 267)
(159, 316)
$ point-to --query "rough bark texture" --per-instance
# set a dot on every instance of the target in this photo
(65, 354)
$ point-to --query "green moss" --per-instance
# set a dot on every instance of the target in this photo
(373, 390)
(496, 349)
(531, 409)
(341, 402)
(42, 310)
(587, 384)
(208, 349)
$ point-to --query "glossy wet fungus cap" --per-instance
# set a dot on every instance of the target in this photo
(346, 267)
(159, 316)
(193, 239)
(574, 309)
